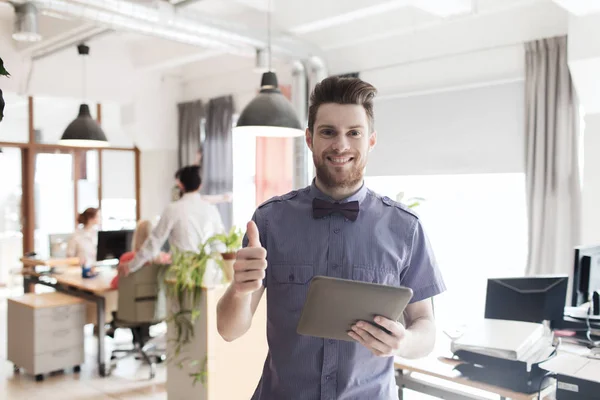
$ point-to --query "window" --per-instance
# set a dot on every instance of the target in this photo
(477, 225)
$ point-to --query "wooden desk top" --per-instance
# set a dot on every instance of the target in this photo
(72, 276)
(46, 300)
(442, 368)
(49, 262)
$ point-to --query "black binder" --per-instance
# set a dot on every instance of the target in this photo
(509, 374)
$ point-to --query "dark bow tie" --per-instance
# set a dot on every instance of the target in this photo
(322, 208)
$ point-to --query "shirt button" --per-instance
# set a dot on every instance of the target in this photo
(336, 230)
(328, 377)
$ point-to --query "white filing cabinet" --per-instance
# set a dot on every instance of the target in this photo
(45, 332)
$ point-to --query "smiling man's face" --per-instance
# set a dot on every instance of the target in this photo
(340, 142)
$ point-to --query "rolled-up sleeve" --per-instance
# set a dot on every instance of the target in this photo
(422, 273)
(153, 244)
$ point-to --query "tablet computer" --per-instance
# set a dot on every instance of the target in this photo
(333, 305)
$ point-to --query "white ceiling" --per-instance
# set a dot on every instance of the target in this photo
(325, 25)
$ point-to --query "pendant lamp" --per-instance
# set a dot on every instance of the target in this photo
(84, 131)
(270, 113)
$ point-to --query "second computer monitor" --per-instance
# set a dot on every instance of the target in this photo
(112, 244)
(586, 274)
(529, 299)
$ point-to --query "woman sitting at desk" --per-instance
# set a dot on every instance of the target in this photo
(142, 231)
(83, 244)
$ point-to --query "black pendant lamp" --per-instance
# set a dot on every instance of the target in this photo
(270, 113)
(84, 131)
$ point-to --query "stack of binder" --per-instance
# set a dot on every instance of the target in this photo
(505, 353)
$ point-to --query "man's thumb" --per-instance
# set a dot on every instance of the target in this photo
(252, 233)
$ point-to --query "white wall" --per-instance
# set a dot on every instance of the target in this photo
(468, 50)
(158, 172)
(478, 130)
(151, 120)
(584, 59)
(591, 181)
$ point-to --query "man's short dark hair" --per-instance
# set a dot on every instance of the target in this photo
(190, 178)
(342, 91)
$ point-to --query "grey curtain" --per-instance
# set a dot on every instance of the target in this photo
(190, 115)
(552, 162)
(217, 154)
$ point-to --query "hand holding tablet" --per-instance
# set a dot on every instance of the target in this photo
(355, 311)
(383, 339)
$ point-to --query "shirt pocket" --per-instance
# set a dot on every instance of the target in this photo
(290, 285)
(380, 275)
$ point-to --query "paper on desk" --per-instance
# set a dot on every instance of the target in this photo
(575, 366)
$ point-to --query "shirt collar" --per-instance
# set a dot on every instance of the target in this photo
(359, 195)
(189, 195)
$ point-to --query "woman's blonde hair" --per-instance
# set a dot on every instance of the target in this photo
(141, 233)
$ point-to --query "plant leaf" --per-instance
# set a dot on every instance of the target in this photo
(3, 70)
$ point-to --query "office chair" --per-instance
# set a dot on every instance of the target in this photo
(141, 304)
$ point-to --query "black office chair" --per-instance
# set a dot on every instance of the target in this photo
(141, 304)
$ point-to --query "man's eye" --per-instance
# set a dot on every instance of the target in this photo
(327, 132)
(355, 133)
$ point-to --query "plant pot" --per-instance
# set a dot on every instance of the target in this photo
(228, 261)
(229, 256)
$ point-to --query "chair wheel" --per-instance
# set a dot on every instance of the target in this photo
(39, 378)
(16, 369)
(77, 368)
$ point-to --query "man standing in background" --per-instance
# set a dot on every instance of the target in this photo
(185, 223)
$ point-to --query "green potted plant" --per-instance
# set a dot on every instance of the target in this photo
(185, 282)
(3, 72)
(412, 202)
(185, 285)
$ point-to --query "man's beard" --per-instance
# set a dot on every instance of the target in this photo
(329, 177)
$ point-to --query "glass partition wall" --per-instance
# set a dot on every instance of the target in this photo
(44, 186)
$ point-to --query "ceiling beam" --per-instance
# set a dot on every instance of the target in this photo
(580, 7)
(184, 3)
(348, 17)
(440, 8)
(170, 57)
(444, 8)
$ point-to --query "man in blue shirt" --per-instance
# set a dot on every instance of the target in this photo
(335, 227)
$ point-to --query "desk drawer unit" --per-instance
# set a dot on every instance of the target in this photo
(45, 332)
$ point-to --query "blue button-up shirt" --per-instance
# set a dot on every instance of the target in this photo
(386, 244)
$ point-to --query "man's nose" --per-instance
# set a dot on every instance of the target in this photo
(341, 144)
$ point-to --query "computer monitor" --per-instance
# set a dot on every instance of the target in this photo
(112, 244)
(529, 299)
(586, 274)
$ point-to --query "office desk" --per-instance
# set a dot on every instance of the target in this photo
(442, 368)
(68, 280)
(50, 262)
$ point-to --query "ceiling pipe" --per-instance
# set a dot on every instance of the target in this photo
(26, 23)
(181, 25)
(123, 23)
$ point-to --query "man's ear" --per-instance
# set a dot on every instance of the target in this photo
(308, 137)
(372, 140)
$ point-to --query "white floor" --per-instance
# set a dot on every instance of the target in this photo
(129, 380)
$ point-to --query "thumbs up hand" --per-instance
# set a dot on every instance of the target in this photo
(250, 264)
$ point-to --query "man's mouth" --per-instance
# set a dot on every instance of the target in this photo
(339, 160)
